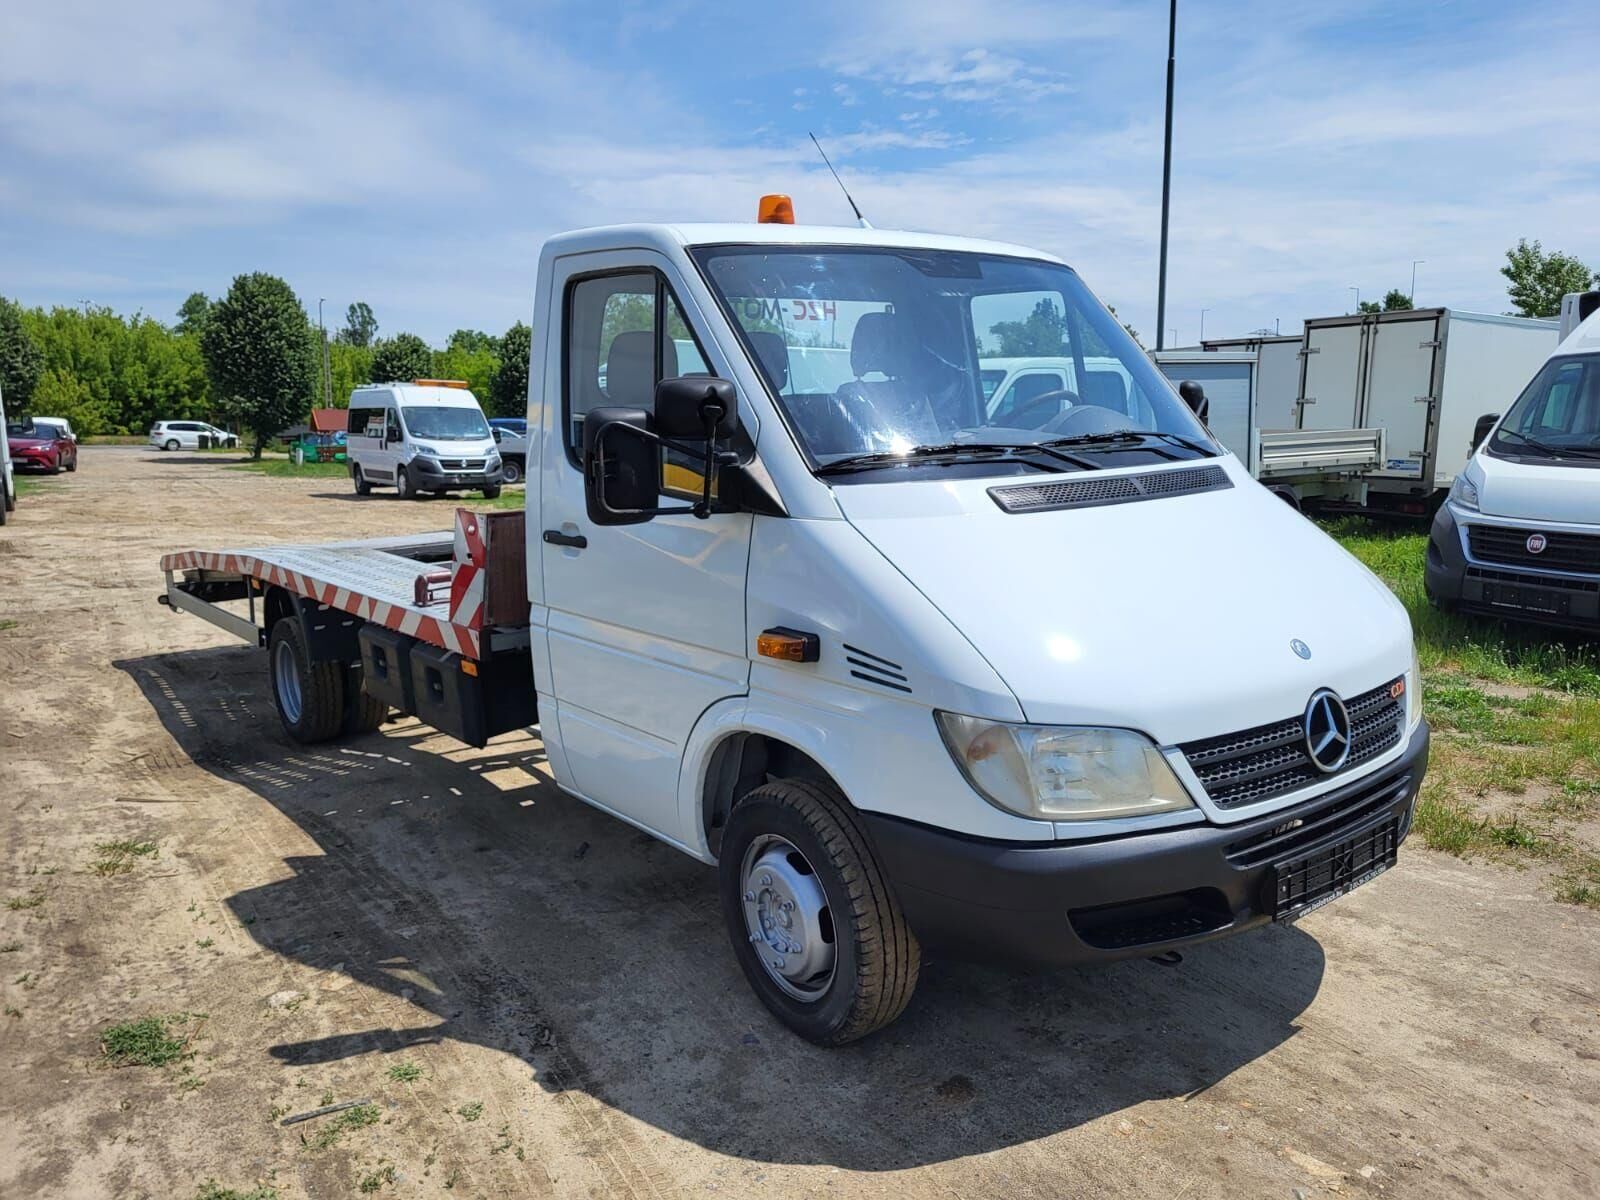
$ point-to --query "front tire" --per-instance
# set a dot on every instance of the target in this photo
(492, 492)
(309, 695)
(402, 485)
(511, 469)
(817, 931)
(363, 488)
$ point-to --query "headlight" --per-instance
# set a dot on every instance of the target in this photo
(1414, 691)
(494, 460)
(1062, 772)
(1464, 493)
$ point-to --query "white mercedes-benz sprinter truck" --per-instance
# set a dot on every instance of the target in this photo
(1059, 685)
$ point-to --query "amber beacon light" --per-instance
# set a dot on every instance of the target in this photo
(776, 209)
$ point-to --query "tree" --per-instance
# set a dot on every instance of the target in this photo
(1539, 280)
(1397, 301)
(360, 326)
(21, 360)
(261, 354)
(192, 314)
(1369, 306)
(477, 367)
(473, 341)
(508, 395)
(1041, 335)
(402, 357)
(350, 367)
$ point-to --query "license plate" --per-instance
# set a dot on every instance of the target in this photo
(1531, 599)
(1303, 885)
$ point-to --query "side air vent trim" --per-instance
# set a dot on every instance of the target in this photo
(1097, 490)
(874, 668)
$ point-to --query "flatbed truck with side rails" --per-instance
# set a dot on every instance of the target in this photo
(1054, 693)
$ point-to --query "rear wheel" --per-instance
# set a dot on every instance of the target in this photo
(816, 930)
(402, 484)
(362, 713)
(491, 492)
(171, 444)
(5, 502)
(309, 695)
(511, 469)
(363, 488)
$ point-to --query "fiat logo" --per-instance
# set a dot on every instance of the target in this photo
(1537, 542)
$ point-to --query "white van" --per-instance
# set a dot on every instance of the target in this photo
(1519, 535)
(429, 435)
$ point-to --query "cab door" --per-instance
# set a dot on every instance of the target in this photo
(645, 624)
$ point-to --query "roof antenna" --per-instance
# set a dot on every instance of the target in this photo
(862, 221)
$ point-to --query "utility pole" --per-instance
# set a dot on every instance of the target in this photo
(1414, 264)
(1203, 313)
(327, 366)
(1166, 172)
(1357, 291)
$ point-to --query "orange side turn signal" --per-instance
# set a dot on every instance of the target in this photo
(790, 645)
(776, 209)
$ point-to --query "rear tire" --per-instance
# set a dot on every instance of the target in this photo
(402, 484)
(492, 492)
(171, 444)
(872, 969)
(511, 469)
(5, 503)
(363, 488)
(309, 695)
(362, 713)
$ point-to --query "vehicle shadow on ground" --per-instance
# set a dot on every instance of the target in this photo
(513, 916)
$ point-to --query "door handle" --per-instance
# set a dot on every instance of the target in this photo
(556, 538)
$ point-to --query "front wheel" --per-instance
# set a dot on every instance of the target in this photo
(73, 465)
(309, 695)
(817, 932)
(492, 492)
(402, 484)
(363, 488)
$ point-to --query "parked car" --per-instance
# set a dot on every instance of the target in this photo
(186, 435)
(426, 436)
(511, 436)
(60, 423)
(41, 447)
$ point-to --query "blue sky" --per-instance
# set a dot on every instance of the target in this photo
(415, 155)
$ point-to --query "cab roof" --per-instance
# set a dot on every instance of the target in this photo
(682, 235)
(413, 393)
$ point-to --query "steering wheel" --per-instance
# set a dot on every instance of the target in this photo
(1086, 418)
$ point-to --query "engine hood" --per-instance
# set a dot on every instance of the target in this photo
(1527, 491)
(1174, 616)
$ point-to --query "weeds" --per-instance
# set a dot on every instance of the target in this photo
(147, 1042)
(118, 858)
(212, 1190)
(471, 1111)
(406, 1072)
(358, 1117)
(10, 947)
(374, 1181)
(24, 903)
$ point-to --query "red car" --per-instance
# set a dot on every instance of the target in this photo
(41, 447)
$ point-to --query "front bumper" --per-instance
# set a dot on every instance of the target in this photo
(1510, 592)
(427, 475)
(1140, 894)
(28, 461)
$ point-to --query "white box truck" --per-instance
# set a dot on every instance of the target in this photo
(903, 676)
(1277, 374)
(1423, 376)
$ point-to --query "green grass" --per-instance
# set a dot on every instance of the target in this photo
(278, 466)
(406, 1072)
(148, 1041)
(212, 1190)
(471, 1111)
(358, 1117)
(118, 858)
(34, 487)
(7, 624)
(24, 903)
(376, 1179)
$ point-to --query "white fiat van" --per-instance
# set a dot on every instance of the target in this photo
(1519, 534)
(429, 435)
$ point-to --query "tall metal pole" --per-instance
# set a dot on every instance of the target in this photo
(1414, 263)
(1166, 174)
(1203, 313)
(327, 367)
(1357, 291)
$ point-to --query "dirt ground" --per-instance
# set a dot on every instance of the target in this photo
(564, 985)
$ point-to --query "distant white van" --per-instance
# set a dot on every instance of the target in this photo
(429, 435)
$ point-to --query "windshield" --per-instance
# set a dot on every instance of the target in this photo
(445, 424)
(24, 429)
(884, 352)
(1558, 413)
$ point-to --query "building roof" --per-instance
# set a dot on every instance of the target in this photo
(328, 420)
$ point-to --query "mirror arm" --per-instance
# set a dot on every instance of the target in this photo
(702, 508)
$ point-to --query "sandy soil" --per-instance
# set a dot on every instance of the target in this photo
(1436, 1034)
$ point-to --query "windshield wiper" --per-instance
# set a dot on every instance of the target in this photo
(1130, 435)
(946, 452)
(1547, 449)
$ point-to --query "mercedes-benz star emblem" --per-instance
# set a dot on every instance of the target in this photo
(1300, 648)
(1537, 542)
(1327, 726)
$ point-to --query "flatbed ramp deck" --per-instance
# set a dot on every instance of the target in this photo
(376, 579)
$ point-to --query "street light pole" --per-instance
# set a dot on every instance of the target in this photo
(1357, 291)
(1203, 313)
(1414, 264)
(327, 367)
(1166, 172)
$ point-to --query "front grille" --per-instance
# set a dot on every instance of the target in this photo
(1306, 825)
(461, 464)
(1563, 551)
(1115, 489)
(1271, 760)
(1539, 581)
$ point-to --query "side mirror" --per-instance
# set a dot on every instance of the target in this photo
(1195, 397)
(1482, 428)
(696, 407)
(621, 466)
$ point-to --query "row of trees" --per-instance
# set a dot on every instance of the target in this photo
(252, 360)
